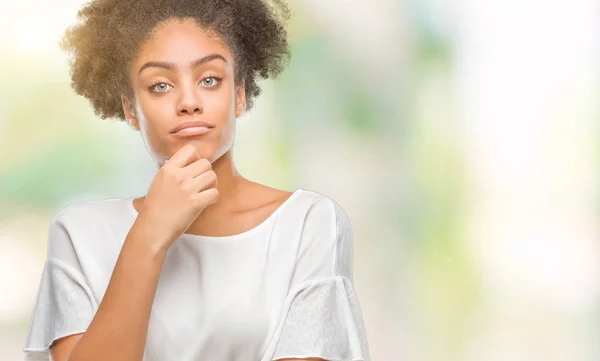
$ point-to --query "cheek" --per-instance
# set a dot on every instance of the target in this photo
(150, 114)
(154, 114)
(152, 105)
(219, 109)
(220, 100)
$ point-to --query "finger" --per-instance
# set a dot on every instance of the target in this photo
(198, 167)
(184, 156)
(208, 196)
(205, 181)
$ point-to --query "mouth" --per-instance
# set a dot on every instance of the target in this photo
(191, 129)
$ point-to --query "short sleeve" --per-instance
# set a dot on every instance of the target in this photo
(322, 316)
(64, 304)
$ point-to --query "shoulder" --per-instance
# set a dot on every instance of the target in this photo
(325, 240)
(85, 211)
(75, 226)
(325, 229)
(323, 211)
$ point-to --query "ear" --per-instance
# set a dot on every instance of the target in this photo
(240, 99)
(129, 112)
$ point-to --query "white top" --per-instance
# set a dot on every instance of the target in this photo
(282, 289)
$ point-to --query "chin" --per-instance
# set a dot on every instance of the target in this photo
(205, 149)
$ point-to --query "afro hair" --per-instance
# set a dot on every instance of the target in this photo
(110, 33)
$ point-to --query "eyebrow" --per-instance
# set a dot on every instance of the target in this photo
(171, 66)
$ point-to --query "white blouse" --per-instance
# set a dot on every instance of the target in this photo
(282, 289)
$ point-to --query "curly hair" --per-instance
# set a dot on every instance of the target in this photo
(111, 33)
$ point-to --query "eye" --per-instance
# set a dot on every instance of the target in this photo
(159, 87)
(211, 81)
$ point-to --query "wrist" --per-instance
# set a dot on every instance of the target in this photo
(143, 233)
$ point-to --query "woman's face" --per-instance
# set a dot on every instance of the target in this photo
(184, 73)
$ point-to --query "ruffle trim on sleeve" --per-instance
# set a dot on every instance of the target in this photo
(323, 319)
(64, 306)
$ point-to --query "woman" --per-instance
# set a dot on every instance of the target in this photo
(208, 266)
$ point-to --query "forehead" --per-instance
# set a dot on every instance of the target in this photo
(180, 41)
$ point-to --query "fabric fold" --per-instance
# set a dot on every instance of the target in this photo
(64, 306)
(322, 318)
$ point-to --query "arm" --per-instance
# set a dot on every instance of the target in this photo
(322, 317)
(119, 327)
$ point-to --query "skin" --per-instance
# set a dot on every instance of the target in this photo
(187, 94)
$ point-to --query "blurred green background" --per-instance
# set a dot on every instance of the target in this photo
(461, 138)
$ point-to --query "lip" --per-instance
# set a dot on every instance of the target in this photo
(190, 132)
(204, 127)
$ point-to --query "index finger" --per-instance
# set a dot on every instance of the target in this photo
(184, 156)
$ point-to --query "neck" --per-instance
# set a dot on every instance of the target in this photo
(229, 182)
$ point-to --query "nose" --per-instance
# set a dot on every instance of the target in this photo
(190, 102)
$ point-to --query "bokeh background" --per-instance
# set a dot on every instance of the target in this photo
(461, 137)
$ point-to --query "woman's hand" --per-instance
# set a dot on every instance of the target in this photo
(182, 188)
